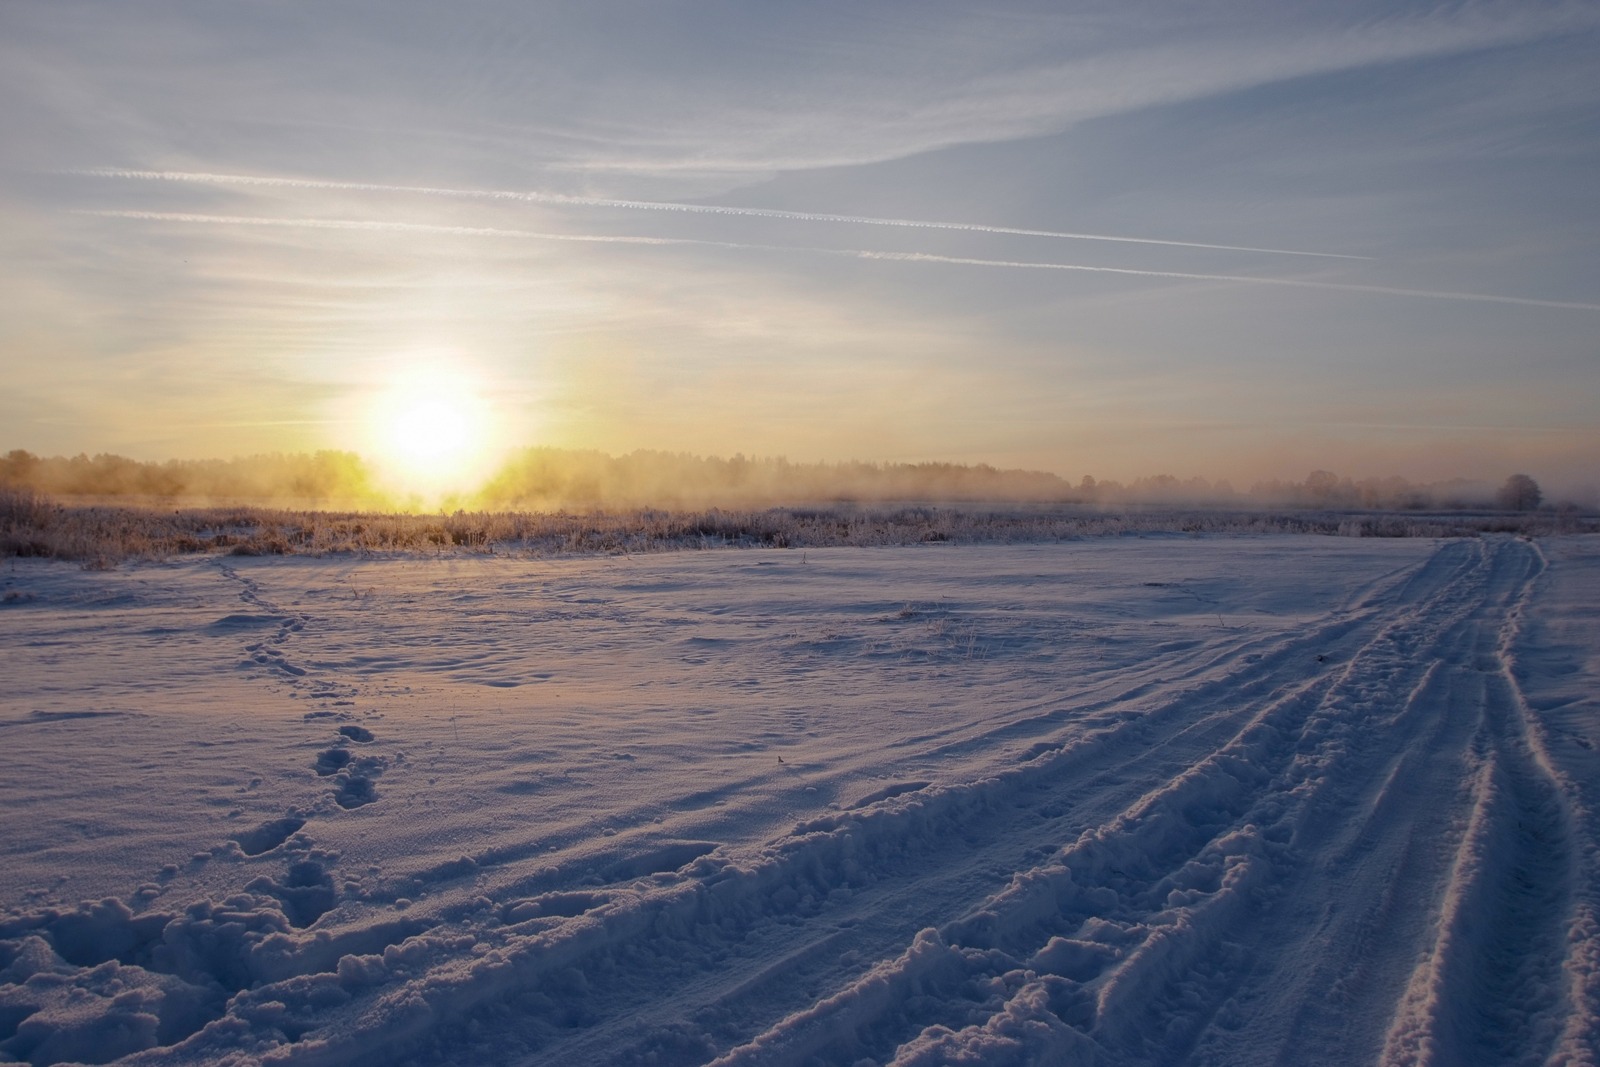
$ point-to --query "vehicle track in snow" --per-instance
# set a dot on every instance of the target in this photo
(910, 860)
(1130, 890)
(1135, 945)
(1496, 987)
(955, 858)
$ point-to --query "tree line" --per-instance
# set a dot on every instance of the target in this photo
(556, 479)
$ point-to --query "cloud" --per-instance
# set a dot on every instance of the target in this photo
(689, 93)
(388, 226)
(974, 78)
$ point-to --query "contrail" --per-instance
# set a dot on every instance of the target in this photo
(662, 205)
(854, 253)
(1347, 287)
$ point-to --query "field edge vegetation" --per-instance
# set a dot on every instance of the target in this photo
(34, 525)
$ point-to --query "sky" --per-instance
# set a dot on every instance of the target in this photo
(1233, 240)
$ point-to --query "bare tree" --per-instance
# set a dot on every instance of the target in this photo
(1520, 493)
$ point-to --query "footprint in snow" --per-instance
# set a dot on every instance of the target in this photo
(268, 836)
(355, 777)
(306, 891)
(355, 791)
(357, 780)
(331, 761)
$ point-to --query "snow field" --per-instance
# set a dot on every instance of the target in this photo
(1131, 802)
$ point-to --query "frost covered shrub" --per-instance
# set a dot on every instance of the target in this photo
(105, 535)
(22, 508)
(23, 517)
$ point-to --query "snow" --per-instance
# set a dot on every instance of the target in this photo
(1158, 800)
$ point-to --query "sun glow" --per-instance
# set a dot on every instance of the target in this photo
(433, 435)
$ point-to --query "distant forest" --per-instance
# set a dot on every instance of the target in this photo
(551, 479)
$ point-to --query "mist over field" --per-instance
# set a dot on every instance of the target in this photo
(108, 510)
(551, 479)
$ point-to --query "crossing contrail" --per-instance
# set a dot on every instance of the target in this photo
(664, 205)
(854, 253)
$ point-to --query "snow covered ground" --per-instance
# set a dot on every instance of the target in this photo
(1165, 800)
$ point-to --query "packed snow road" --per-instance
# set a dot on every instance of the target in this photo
(1145, 801)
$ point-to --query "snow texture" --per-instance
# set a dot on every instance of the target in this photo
(1165, 800)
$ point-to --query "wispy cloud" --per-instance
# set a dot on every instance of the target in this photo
(864, 94)
(731, 92)
(672, 206)
(386, 226)
(856, 253)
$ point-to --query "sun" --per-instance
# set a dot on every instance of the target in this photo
(432, 434)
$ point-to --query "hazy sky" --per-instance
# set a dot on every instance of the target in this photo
(1262, 237)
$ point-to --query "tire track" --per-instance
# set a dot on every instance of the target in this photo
(1366, 900)
(1498, 986)
(1082, 788)
(931, 855)
(1127, 946)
